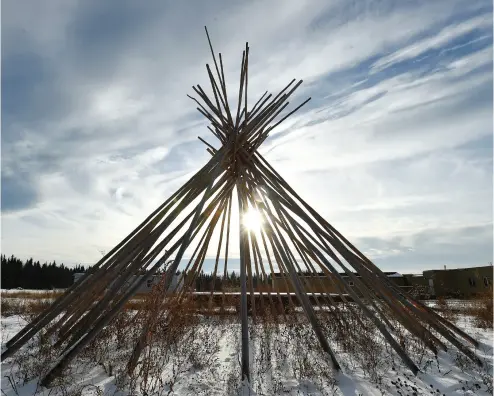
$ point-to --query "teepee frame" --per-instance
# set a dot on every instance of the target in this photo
(294, 238)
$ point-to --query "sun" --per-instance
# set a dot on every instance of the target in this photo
(252, 220)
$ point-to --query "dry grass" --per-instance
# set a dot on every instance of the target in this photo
(445, 309)
(28, 309)
(182, 349)
(482, 310)
(135, 304)
(31, 295)
(182, 355)
(29, 302)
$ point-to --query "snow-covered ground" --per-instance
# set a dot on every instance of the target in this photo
(285, 369)
(285, 359)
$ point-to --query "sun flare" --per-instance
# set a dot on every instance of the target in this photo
(252, 220)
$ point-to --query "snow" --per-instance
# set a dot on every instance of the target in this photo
(219, 372)
(41, 291)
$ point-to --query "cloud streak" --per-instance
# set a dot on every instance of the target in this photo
(395, 148)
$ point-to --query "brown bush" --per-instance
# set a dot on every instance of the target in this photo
(11, 307)
(33, 295)
(445, 309)
(27, 308)
(482, 310)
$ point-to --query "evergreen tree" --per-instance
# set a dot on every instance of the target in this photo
(34, 275)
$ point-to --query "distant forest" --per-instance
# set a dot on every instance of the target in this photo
(206, 282)
(33, 275)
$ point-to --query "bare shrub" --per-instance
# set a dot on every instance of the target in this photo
(178, 342)
(27, 309)
(482, 310)
(34, 308)
(11, 307)
(135, 304)
(420, 292)
(173, 352)
(31, 362)
(288, 350)
(445, 309)
(32, 295)
(481, 378)
(182, 350)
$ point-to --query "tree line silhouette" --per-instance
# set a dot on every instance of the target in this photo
(206, 281)
(33, 275)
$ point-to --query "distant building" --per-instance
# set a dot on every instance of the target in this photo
(416, 281)
(148, 284)
(459, 282)
(322, 283)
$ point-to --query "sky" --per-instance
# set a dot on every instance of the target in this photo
(395, 148)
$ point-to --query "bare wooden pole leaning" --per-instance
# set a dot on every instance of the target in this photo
(294, 240)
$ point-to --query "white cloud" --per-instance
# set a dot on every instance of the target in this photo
(128, 138)
(445, 36)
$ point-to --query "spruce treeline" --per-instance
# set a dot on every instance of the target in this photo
(32, 274)
(205, 282)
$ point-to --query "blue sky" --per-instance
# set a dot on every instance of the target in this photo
(395, 149)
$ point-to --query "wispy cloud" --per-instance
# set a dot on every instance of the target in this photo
(395, 148)
(439, 41)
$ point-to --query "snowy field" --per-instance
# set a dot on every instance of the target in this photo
(285, 360)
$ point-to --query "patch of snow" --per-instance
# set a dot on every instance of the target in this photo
(439, 377)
